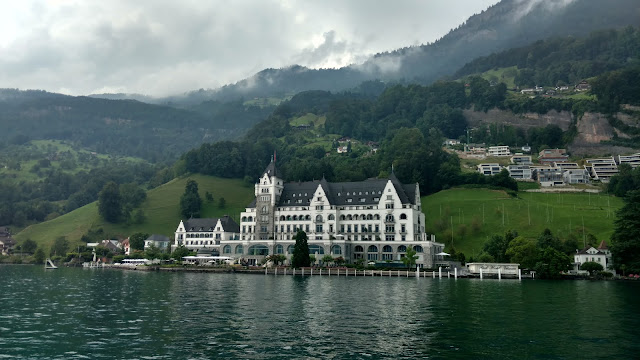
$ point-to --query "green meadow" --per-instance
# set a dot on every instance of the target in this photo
(161, 208)
(466, 218)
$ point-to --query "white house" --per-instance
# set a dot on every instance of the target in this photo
(159, 241)
(576, 176)
(633, 160)
(372, 220)
(520, 172)
(590, 254)
(499, 151)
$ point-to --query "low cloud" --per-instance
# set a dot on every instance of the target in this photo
(163, 47)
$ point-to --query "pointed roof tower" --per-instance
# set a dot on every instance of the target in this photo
(271, 169)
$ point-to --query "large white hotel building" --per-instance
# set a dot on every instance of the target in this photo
(375, 220)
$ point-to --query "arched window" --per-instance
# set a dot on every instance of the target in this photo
(363, 217)
(250, 218)
(290, 249)
(389, 218)
(342, 217)
(288, 217)
(372, 248)
(282, 218)
(226, 249)
(279, 249)
(369, 217)
(239, 249)
(295, 217)
(376, 217)
(402, 248)
(332, 217)
(316, 249)
(417, 248)
(258, 250)
(265, 210)
(319, 218)
(387, 249)
(403, 216)
(308, 217)
(336, 250)
(244, 218)
(349, 217)
(358, 248)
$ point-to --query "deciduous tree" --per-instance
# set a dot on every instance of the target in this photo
(300, 257)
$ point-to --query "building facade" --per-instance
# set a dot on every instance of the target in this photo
(375, 220)
(206, 233)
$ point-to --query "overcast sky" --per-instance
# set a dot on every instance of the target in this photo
(163, 47)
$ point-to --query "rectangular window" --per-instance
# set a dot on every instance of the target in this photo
(372, 256)
(319, 228)
(389, 237)
(288, 228)
(306, 228)
(349, 200)
(377, 228)
(217, 236)
(403, 228)
(244, 229)
(388, 206)
(386, 257)
(331, 228)
(319, 198)
(348, 228)
(319, 207)
(341, 228)
(390, 228)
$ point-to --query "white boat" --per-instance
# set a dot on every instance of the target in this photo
(49, 264)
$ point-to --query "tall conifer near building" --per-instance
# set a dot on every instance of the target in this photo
(300, 256)
(190, 202)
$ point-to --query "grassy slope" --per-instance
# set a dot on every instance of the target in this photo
(462, 206)
(162, 209)
(561, 213)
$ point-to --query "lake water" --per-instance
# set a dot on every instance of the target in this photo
(116, 314)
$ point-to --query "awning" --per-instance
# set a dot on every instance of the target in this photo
(442, 254)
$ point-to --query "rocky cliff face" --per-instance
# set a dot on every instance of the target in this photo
(526, 121)
(593, 128)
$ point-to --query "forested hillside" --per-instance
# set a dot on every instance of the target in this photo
(121, 127)
(563, 61)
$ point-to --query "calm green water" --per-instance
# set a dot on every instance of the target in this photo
(114, 314)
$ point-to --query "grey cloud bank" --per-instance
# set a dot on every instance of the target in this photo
(168, 47)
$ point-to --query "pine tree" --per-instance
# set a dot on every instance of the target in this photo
(300, 256)
(110, 203)
(625, 241)
(190, 201)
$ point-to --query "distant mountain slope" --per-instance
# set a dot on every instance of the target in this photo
(565, 60)
(508, 24)
(122, 127)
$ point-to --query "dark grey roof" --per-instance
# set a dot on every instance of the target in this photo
(157, 237)
(208, 224)
(584, 251)
(271, 170)
(361, 192)
(203, 224)
(229, 225)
